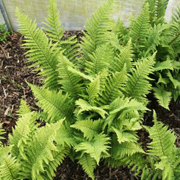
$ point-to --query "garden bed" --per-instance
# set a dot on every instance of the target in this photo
(13, 87)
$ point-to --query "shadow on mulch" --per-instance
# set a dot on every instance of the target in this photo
(14, 73)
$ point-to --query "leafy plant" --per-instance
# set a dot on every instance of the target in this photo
(93, 98)
(162, 159)
(3, 32)
(97, 89)
(150, 33)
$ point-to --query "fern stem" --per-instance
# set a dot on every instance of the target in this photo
(174, 39)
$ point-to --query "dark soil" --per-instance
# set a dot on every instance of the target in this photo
(14, 73)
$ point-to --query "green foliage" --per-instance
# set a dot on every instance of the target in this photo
(94, 96)
(162, 159)
(3, 33)
(151, 34)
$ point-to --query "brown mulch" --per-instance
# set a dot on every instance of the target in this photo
(14, 73)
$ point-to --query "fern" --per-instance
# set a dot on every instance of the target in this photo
(164, 97)
(94, 96)
(88, 164)
(139, 29)
(138, 84)
(55, 31)
(41, 51)
(9, 168)
(57, 105)
(96, 28)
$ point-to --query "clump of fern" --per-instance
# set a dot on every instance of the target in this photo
(150, 33)
(96, 87)
(93, 97)
(32, 152)
(161, 161)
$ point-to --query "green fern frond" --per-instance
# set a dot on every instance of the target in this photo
(85, 106)
(163, 144)
(96, 148)
(65, 136)
(71, 82)
(97, 27)
(163, 147)
(54, 28)
(21, 134)
(89, 128)
(139, 28)
(142, 166)
(55, 104)
(38, 158)
(167, 64)
(138, 85)
(176, 14)
(120, 150)
(114, 86)
(164, 97)
(125, 136)
(24, 108)
(41, 52)
(9, 169)
(94, 89)
(99, 60)
(157, 10)
(88, 164)
(51, 167)
(55, 32)
(120, 107)
(123, 59)
(153, 40)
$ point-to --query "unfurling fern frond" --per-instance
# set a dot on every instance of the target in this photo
(41, 52)
(97, 27)
(55, 104)
(138, 84)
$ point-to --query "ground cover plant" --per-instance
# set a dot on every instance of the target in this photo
(150, 33)
(93, 100)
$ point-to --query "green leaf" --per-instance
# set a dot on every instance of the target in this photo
(125, 149)
(96, 148)
(168, 64)
(55, 104)
(164, 97)
(85, 106)
(90, 128)
(88, 164)
(94, 89)
(125, 136)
